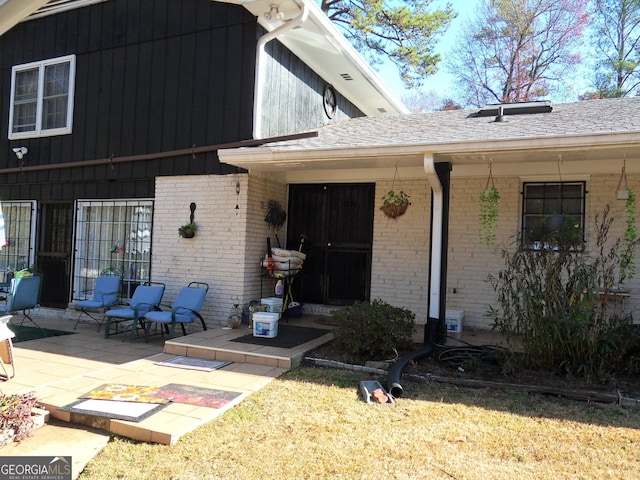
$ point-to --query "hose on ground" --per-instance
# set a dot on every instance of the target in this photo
(467, 355)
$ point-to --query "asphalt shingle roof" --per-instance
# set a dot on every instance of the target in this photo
(588, 118)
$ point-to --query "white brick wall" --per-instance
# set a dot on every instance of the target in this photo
(230, 243)
(226, 251)
(470, 262)
(400, 267)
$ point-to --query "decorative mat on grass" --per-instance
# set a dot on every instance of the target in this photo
(126, 393)
(25, 333)
(289, 336)
(201, 397)
(192, 363)
(130, 411)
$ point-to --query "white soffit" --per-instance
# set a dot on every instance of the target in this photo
(320, 44)
(13, 11)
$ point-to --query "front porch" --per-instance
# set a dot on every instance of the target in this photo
(61, 369)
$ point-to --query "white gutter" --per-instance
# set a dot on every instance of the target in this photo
(594, 141)
(258, 89)
(436, 236)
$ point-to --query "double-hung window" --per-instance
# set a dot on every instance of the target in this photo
(42, 98)
(550, 209)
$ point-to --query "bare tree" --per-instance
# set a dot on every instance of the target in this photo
(419, 101)
(517, 50)
(617, 40)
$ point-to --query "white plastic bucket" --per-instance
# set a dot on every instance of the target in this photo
(265, 324)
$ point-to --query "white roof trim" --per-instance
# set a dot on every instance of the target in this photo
(14, 11)
(57, 6)
(321, 45)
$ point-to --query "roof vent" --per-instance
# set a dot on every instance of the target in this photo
(346, 76)
(519, 108)
(382, 110)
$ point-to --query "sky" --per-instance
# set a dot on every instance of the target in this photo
(440, 81)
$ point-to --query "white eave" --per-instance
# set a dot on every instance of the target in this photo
(320, 45)
(591, 153)
(14, 11)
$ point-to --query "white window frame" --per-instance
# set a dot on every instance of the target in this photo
(39, 131)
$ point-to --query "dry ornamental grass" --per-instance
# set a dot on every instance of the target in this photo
(310, 424)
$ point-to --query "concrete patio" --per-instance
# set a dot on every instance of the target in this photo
(60, 369)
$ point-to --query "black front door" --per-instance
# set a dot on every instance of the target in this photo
(54, 253)
(336, 221)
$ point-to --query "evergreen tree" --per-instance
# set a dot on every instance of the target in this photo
(403, 31)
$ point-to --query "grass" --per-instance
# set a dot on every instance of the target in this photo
(310, 424)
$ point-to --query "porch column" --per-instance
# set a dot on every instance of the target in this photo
(439, 176)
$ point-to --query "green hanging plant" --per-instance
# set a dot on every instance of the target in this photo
(488, 212)
(395, 204)
(629, 240)
(188, 231)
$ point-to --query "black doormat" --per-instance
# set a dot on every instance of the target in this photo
(25, 333)
(289, 336)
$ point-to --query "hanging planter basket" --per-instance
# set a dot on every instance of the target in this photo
(392, 209)
(622, 192)
(395, 204)
(488, 211)
(275, 218)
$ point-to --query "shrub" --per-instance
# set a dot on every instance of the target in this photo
(556, 303)
(373, 330)
(15, 414)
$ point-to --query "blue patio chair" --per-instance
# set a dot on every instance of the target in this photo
(145, 299)
(105, 295)
(185, 309)
(23, 296)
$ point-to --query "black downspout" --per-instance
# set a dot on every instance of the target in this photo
(436, 329)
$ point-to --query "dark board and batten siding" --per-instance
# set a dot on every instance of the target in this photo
(151, 76)
(293, 97)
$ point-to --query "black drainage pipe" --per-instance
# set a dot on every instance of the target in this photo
(393, 379)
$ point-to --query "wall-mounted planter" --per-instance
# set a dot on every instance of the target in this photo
(188, 231)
